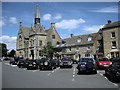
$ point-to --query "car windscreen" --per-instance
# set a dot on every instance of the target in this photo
(66, 59)
(86, 59)
(103, 59)
(116, 65)
(44, 59)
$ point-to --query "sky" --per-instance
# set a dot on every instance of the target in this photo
(76, 18)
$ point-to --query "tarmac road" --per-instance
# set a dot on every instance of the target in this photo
(14, 77)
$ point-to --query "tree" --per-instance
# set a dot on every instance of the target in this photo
(12, 53)
(3, 50)
(48, 50)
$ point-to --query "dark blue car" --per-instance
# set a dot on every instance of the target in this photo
(87, 64)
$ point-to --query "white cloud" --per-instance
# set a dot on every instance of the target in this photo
(92, 29)
(57, 17)
(47, 16)
(2, 23)
(70, 24)
(9, 41)
(13, 20)
(111, 9)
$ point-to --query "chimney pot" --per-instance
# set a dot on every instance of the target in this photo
(71, 35)
(109, 21)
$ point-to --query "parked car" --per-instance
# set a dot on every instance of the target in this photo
(113, 72)
(33, 64)
(87, 64)
(23, 63)
(66, 62)
(13, 62)
(57, 62)
(47, 63)
(103, 62)
(74, 61)
(114, 59)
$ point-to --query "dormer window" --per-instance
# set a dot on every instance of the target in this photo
(89, 38)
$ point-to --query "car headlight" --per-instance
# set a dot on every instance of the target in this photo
(100, 63)
(69, 63)
(45, 63)
(110, 63)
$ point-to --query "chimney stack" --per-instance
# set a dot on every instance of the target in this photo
(52, 25)
(71, 35)
(109, 21)
(20, 24)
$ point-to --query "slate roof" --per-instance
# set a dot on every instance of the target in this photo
(25, 31)
(74, 40)
(111, 25)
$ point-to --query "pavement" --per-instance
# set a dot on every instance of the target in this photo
(14, 77)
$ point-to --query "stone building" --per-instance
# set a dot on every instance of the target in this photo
(77, 46)
(105, 42)
(111, 39)
(31, 39)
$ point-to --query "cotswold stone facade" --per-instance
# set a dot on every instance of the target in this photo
(31, 39)
(105, 42)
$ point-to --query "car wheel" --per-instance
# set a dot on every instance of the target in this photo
(52, 67)
(28, 68)
(95, 72)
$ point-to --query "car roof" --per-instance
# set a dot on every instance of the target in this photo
(102, 57)
(87, 57)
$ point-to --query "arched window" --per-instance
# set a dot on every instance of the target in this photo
(89, 38)
(20, 41)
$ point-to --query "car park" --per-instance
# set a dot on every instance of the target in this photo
(66, 62)
(47, 63)
(23, 63)
(33, 64)
(103, 62)
(113, 72)
(87, 64)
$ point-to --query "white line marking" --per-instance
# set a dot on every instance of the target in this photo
(115, 84)
(53, 71)
(49, 74)
(73, 79)
(101, 74)
(34, 70)
(24, 69)
(73, 76)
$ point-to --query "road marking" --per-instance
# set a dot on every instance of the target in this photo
(73, 76)
(14, 65)
(7, 64)
(115, 84)
(34, 70)
(73, 79)
(49, 74)
(108, 80)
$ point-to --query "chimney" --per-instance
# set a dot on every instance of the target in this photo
(52, 25)
(71, 35)
(109, 21)
(20, 24)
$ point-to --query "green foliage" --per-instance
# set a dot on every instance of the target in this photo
(48, 50)
(3, 50)
(12, 53)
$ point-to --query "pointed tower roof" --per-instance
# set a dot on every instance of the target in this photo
(37, 13)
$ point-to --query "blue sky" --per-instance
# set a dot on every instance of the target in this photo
(77, 18)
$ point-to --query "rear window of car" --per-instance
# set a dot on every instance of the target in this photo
(66, 59)
(103, 59)
(86, 59)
